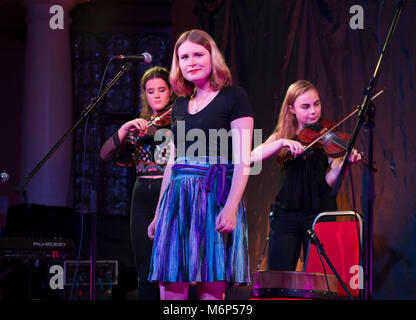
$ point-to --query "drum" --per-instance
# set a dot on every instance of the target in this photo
(293, 285)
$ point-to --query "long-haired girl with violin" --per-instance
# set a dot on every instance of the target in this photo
(133, 144)
(307, 176)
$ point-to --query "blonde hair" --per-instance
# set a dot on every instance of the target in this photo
(153, 73)
(220, 75)
(287, 124)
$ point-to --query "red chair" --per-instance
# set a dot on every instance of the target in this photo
(341, 234)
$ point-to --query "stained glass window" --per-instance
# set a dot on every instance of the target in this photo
(90, 55)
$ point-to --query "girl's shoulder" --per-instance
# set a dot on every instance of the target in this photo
(272, 137)
(233, 90)
(181, 100)
(180, 105)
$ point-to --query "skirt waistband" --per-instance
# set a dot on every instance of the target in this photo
(209, 173)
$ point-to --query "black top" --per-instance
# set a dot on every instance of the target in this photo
(211, 134)
(149, 156)
(303, 186)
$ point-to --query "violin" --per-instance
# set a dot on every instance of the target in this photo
(325, 135)
(162, 119)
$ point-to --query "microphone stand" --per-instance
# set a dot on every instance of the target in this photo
(367, 112)
(21, 187)
(314, 239)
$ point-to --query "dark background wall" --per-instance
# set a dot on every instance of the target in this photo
(268, 45)
(13, 38)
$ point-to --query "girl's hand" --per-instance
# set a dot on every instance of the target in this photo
(151, 229)
(336, 165)
(226, 221)
(295, 147)
(355, 156)
(136, 125)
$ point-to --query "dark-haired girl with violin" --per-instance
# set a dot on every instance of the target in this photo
(134, 144)
(306, 178)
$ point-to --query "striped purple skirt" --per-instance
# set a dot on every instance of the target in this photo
(187, 248)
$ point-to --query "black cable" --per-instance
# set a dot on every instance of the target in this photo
(355, 214)
(322, 262)
(380, 8)
(82, 210)
(326, 276)
(271, 217)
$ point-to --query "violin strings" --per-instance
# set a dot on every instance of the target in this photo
(338, 141)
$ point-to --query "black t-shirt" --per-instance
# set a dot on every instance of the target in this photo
(208, 132)
(303, 185)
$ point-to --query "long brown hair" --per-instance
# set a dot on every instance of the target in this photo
(287, 124)
(220, 76)
(153, 73)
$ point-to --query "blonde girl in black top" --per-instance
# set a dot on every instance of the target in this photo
(306, 180)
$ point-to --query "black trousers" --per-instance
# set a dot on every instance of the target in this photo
(287, 235)
(143, 205)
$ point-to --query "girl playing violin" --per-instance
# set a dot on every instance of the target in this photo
(134, 144)
(306, 179)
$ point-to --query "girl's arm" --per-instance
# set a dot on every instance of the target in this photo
(336, 166)
(165, 181)
(242, 133)
(334, 170)
(273, 145)
(110, 148)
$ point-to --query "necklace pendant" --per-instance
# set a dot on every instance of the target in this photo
(196, 106)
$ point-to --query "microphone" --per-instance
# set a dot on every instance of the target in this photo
(312, 235)
(144, 57)
(4, 177)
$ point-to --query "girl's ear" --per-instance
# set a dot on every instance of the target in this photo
(291, 109)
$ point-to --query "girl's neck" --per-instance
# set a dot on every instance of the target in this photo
(203, 88)
(155, 112)
(202, 94)
(299, 129)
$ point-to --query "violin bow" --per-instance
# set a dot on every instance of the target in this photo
(342, 120)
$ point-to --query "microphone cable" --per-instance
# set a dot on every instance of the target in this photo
(83, 165)
(271, 218)
(82, 210)
(310, 234)
(380, 9)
